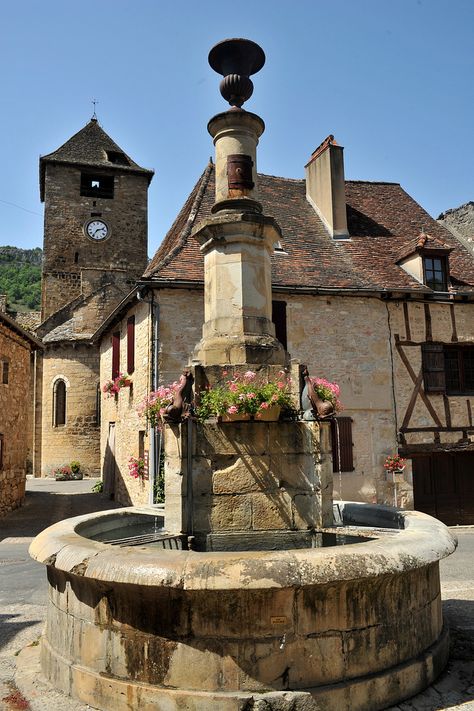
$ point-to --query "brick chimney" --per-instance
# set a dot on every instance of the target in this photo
(325, 189)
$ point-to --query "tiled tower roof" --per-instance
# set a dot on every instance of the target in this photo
(92, 147)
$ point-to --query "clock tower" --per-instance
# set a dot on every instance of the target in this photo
(95, 248)
(95, 217)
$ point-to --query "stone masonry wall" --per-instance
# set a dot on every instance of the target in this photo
(66, 248)
(79, 438)
(120, 412)
(248, 476)
(14, 408)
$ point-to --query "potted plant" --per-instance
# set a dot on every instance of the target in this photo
(246, 396)
(394, 466)
(328, 392)
(136, 467)
(153, 406)
(112, 387)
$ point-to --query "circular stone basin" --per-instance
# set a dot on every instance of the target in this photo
(339, 628)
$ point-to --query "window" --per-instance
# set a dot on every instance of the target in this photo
(279, 319)
(1, 451)
(448, 369)
(435, 269)
(117, 157)
(97, 186)
(97, 404)
(59, 403)
(115, 354)
(342, 445)
(5, 366)
(131, 345)
(459, 369)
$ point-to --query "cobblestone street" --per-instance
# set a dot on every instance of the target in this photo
(23, 599)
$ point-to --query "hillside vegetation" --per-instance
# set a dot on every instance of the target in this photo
(20, 277)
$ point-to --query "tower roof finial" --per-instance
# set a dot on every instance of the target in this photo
(94, 115)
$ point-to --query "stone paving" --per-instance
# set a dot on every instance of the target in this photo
(23, 599)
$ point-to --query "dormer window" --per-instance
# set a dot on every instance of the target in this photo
(117, 157)
(97, 186)
(435, 272)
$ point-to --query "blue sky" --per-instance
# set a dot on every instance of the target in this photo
(391, 79)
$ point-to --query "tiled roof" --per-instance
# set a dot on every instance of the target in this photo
(90, 147)
(82, 320)
(14, 326)
(423, 242)
(382, 219)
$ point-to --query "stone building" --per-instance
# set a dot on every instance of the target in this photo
(367, 289)
(18, 351)
(95, 247)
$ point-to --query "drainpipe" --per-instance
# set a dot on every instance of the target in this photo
(33, 444)
(154, 433)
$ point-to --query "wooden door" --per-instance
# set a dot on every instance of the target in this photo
(443, 486)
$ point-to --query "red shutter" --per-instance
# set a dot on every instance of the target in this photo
(131, 345)
(344, 446)
(115, 354)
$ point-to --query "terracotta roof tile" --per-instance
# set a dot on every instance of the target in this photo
(382, 220)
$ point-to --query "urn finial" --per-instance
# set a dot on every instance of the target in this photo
(236, 59)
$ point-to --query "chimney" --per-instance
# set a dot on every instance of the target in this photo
(325, 189)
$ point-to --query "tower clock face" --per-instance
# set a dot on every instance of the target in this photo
(97, 230)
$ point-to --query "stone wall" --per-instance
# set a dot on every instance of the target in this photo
(248, 476)
(79, 438)
(120, 412)
(67, 251)
(14, 408)
(350, 340)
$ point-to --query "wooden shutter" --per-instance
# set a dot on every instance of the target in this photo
(131, 345)
(432, 358)
(345, 445)
(115, 354)
(279, 319)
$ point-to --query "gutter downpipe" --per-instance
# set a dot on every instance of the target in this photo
(154, 433)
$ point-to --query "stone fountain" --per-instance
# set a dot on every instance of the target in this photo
(249, 597)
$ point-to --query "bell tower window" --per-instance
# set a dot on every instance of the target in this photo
(97, 186)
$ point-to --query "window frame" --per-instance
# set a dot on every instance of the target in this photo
(115, 354)
(130, 344)
(462, 351)
(56, 423)
(444, 263)
(106, 192)
(438, 369)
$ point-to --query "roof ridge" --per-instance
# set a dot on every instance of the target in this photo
(193, 212)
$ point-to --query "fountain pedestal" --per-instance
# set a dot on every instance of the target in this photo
(247, 477)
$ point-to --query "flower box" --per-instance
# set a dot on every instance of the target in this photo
(234, 417)
(271, 414)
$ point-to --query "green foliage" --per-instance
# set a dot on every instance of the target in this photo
(75, 467)
(20, 276)
(98, 487)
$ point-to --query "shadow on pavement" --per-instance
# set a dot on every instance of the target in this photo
(9, 628)
(58, 500)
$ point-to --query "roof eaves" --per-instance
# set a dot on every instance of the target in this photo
(15, 326)
(186, 231)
